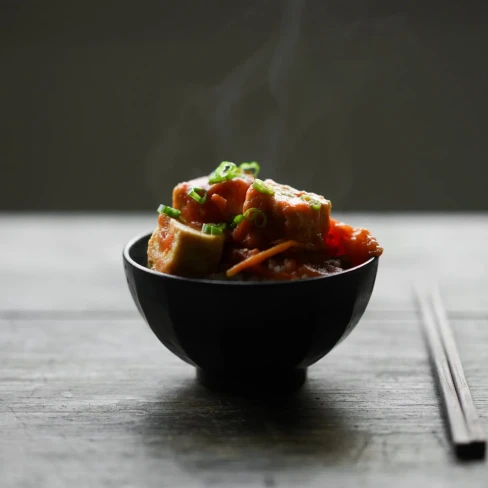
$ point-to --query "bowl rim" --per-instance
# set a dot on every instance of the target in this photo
(143, 235)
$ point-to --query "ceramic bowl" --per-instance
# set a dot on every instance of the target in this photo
(248, 336)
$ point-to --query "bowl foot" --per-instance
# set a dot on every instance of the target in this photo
(263, 383)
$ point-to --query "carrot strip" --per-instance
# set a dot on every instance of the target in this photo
(261, 256)
(220, 201)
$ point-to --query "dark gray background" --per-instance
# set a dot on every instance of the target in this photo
(378, 105)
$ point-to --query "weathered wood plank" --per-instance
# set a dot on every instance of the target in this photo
(73, 263)
(102, 403)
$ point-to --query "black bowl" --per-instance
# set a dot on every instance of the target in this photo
(257, 336)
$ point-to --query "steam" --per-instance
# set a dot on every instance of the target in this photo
(261, 85)
(287, 106)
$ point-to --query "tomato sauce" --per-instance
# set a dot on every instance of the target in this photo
(263, 218)
(222, 203)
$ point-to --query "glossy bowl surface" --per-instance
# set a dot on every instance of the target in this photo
(248, 335)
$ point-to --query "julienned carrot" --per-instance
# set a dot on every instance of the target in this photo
(262, 256)
(220, 201)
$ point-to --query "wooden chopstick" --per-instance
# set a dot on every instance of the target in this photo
(465, 426)
(473, 420)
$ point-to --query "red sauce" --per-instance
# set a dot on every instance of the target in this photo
(165, 236)
(357, 244)
(289, 215)
(223, 201)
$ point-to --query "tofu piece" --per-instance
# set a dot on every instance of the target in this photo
(291, 214)
(178, 249)
(223, 201)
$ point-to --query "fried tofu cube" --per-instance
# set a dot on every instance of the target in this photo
(222, 202)
(178, 249)
(290, 214)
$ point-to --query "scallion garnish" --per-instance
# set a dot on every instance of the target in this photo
(169, 211)
(262, 187)
(257, 216)
(198, 194)
(213, 229)
(237, 220)
(253, 168)
(225, 171)
(228, 171)
(315, 204)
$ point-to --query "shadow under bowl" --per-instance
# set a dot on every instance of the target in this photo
(248, 336)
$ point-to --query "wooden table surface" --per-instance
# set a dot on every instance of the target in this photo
(89, 397)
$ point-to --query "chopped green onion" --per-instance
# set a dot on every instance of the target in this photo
(262, 187)
(253, 168)
(237, 220)
(257, 216)
(228, 171)
(315, 204)
(195, 193)
(169, 211)
(225, 171)
(213, 229)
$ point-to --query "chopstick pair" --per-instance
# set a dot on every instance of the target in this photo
(465, 426)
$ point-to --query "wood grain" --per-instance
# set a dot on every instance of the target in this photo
(102, 403)
(89, 397)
